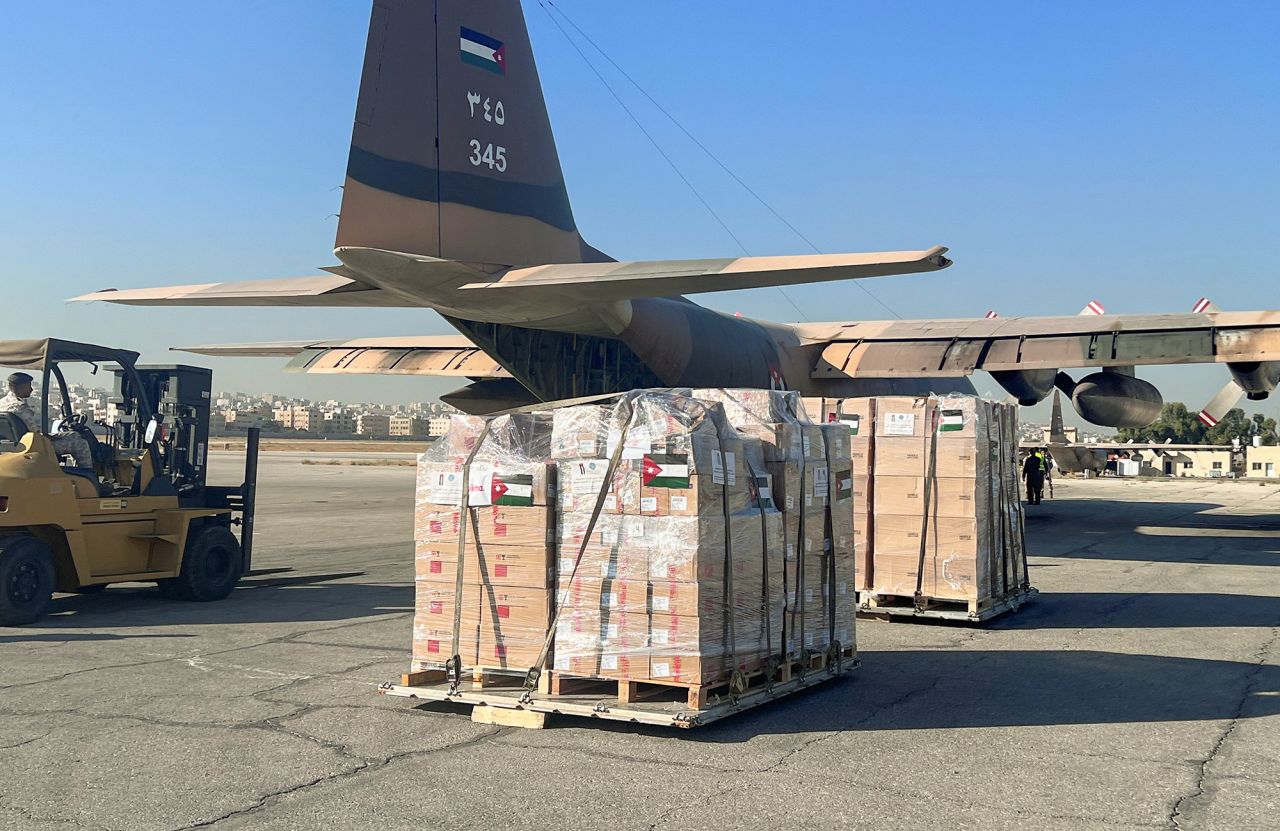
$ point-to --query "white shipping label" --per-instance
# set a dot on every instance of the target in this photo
(661, 670)
(609, 662)
(791, 551)
(808, 500)
(842, 588)
(660, 637)
(804, 444)
(731, 474)
(635, 529)
(820, 480)
(609, 600)
(609, 536)
(611, 631)
(611, 502)
(586, 446)
(899, 424)
(648, 503)
(791, 503)
(662, 604)
(608, 569)
(679, 503)
(562, 662)
(566, 565)
(717, 468)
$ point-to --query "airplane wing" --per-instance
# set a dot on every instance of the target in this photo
(940, 348)
(332, 290)
(444, 355)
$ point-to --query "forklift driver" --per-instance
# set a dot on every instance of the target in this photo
(15, 402)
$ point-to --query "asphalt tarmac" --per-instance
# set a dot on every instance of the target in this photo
(1140, 690)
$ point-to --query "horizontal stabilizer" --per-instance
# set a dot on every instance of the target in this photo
(603, 282)
(442, 355)
(328, 290)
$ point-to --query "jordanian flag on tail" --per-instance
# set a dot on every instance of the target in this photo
(511, 489)
(666, 470)
(483, 51)
(951, 421)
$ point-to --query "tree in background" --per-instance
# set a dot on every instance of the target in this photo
(1180, 426)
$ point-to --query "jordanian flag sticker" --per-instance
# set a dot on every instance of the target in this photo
(512, 489)
(666, 470)
(483, 51)
(951, 421)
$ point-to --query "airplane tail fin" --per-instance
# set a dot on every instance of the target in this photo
(452, 154)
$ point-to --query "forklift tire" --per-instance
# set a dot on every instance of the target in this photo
(26, 580)
(210, 566)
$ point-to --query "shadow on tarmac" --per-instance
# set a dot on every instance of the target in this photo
(947, 689)
(1141, 610)
(301, 598)
(1182, 532)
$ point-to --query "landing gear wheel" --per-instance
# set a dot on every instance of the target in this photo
(210, 566)
(26, 580)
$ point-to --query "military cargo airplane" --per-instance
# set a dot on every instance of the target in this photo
(454, 200)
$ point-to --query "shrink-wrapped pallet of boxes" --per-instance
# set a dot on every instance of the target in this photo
(796, 458)
(647, 563)
(670, 552)
(500, 531)
(947, 520)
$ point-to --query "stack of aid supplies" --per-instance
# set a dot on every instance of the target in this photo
(679, 577)
(508, 544)
(812, 483)
(947, 514)
(654, 539)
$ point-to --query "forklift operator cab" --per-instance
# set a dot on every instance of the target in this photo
(143, 512)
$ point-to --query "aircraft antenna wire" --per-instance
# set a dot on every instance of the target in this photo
(654, 142)
(728, 171)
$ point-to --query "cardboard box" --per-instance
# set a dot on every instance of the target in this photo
(514, 484)
(686, 599)
(628, 665)
(433, 645)
(533, 527)
(946, 577)
(903, 417)
(434, 602)
(949, 497)
(685, 669)
(616, 562)
(589, 631)
(515, 612)
(595, 594)
(956, 457)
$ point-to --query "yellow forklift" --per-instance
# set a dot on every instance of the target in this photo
(142, 512)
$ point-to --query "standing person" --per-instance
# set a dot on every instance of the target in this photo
(15, 401)
(1048, 471)
(1033, 475)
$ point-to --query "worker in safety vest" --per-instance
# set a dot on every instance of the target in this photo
(1033, 475)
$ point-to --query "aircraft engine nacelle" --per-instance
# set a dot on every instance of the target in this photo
(1029, 386)
(1111, 399)
(1257, 378)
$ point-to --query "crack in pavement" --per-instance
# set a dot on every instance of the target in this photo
(368, 765)
(1174, 820)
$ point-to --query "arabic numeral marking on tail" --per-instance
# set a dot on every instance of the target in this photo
(489, 155)
(492, 111)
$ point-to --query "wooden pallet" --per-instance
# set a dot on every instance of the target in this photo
(697, 696)
(887, 606)
(642, 702)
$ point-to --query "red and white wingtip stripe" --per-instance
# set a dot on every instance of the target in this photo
(992, 314)
(1204, 305)
(1207, 419)
(1094, 308)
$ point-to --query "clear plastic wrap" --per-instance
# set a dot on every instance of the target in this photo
(507, 561)
(946, 480)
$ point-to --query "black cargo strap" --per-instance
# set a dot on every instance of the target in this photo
(737, 680)
(535, 672)
(765, 600)
(453, 666)
(930, 499)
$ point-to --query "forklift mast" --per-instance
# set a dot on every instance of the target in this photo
(182, 396)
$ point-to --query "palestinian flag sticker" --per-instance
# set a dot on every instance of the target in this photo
(511, 489)
(853, 421)
(666, 470)
(952, 421)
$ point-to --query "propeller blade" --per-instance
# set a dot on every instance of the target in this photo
(1221, 404)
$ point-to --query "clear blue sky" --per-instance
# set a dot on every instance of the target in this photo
(1123, 151)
